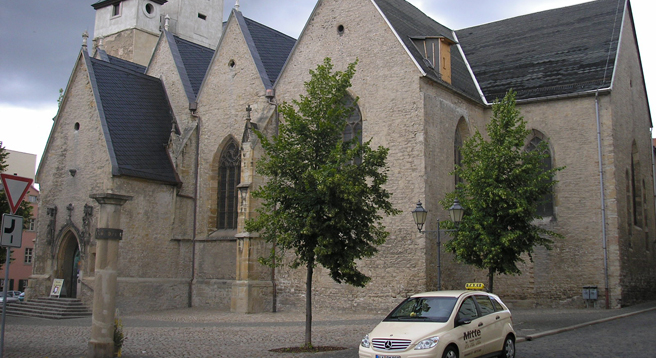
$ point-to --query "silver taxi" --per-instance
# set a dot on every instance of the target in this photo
(448, 324)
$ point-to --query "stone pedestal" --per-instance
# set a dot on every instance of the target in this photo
(252, 291)
(108, 236)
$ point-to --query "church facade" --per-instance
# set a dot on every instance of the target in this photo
(162, 107)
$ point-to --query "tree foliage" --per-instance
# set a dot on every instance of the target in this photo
(24, 210)
(323, 197)
(502, 186)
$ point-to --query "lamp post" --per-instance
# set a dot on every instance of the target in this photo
(419, 214)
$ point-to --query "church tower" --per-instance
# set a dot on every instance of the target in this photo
(129, 29)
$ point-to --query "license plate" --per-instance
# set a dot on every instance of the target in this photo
(379, 356)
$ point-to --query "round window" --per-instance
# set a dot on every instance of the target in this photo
(149, 10)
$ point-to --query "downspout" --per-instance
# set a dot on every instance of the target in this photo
(193, 107)
(603, 200)
(270, 94)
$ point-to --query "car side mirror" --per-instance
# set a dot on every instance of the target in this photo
(462, 322)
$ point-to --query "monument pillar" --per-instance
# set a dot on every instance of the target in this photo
(108, 236)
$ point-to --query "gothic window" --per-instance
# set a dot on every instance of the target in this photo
(636, 187)
(229, 178)
(546, 205)
(353, 123)
(629, 217)
(457, 154)
(460, 136)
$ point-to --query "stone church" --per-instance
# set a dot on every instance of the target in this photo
(160, 112)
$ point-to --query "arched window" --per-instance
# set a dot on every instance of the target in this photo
(457, 154)
(353, 123)
(229, 178)
(546, 206)
(636, 187)
(629, 217)
(461, 134)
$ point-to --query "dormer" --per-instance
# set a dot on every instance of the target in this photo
(436, 51)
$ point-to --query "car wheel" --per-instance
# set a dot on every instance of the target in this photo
(450, 352)
(508, 348)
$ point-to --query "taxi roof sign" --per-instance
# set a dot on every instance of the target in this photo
(475, 286)
(15, 188)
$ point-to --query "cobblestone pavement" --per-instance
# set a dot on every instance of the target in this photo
(199, 333)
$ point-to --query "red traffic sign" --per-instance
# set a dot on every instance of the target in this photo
(15, 188)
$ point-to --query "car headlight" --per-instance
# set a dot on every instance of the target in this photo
(428, 343)
(365, 342)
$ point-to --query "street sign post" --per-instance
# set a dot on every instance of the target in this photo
(11, 232)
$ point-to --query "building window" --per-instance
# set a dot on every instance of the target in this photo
(229, 178)
(461, 134)
(636, 187)
(353, 122)
(457, 154)
(116, 9)
(31, 224)
(629, 217)
(28, 255)
(22, 284)
(32, 198)
(546, 205)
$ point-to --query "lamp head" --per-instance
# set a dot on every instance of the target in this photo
(419, 214)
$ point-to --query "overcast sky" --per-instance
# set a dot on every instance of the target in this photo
(40, 40)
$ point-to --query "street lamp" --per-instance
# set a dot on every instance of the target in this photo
(419, 214)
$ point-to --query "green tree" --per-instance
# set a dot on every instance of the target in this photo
(24, 210)
(502, 185)
(324, 196)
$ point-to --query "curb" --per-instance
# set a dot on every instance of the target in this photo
(581, 325)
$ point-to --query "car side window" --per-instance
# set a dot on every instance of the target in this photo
(485, 304)
(497, 306)
(468, 310)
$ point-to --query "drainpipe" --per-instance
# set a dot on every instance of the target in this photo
(271, 99)
(603, 201)
(193, 108)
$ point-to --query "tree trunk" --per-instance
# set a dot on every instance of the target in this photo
(490, 276)
(308, 305)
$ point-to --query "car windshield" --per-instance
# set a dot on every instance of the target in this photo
(429, 309)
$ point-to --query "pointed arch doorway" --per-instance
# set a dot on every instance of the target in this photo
(68, 260)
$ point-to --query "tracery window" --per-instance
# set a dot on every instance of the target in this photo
(546, 206)
(636, 187)
(229, 178)
(353, 122)
(457, 154)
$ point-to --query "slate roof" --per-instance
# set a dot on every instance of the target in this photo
(410, 22)
(555, 52)
(120, 62)
(269, 48)
(192, 61)
(273, 47)
(136, 119)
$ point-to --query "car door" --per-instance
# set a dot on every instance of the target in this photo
(467, 330)
(490, 325)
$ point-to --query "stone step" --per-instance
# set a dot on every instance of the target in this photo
(49, 307)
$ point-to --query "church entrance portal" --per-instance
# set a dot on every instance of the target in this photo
(68, 265)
